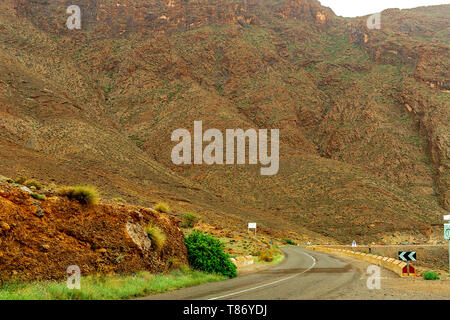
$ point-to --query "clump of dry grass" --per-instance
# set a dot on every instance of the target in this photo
(20, 180)
(37, 196)
(266, 255)
(156, 235)
(119, 200)
(83, 194)
(32, 183)
(269, 254)
(162, 207)
(189, 220)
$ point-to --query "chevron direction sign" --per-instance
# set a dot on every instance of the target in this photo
(407, 256)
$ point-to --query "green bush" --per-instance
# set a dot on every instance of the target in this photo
(289, 241)
(157, 236)
(32, 183)
(189, 220)
(37, 196)
(82, 194)
(266, 255)
(205, 253)
(162, 207)
(431, 275)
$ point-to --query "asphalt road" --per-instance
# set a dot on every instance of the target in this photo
(302, 275)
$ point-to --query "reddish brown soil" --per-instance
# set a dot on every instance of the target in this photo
(40, 239)
(363, 114)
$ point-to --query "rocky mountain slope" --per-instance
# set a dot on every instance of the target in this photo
(363, 114)
(40, 239)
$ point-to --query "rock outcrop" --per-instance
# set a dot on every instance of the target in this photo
(41, 239)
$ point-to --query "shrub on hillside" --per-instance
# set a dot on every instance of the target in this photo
(38, 196)
(266, 255)
(156, 235)
(20, 180)
(82, 194)
(162, 207)
(189, 220)
(289, 241)
(205, 253)
(175, 263)
(119, 200)
(32, 183)
(431, 275)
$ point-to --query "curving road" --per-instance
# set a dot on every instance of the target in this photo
(302, 275)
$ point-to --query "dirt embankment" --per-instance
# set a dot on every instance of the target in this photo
(40, 239)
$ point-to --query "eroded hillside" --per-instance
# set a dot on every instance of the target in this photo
(363, 114)
(40, 239)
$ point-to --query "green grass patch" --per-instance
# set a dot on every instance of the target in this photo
(289, 242)
(162, 207)
(114, 287)
(431, 275)
(20, 180)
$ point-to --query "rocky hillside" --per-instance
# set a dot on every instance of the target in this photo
(363, 114)
(40, 239)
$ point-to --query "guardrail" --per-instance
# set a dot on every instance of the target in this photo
(397, 266)
(243, 261)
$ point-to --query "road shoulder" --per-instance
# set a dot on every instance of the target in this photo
(393, 287)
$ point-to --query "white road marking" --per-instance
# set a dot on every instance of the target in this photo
(270, 283)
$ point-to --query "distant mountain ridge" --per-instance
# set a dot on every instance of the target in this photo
(363, 114)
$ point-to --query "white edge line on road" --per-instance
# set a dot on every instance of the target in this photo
(270, 283)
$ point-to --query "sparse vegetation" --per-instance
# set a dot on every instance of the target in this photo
(272, 255)
(162, 207)
(175, 263)
(119, 200)
(20, 180)
(83, 194)
(347, 104)
(157, 236)
(189, 220)
(38, 196)
(107, 287)
(33, 183)
(431, 275)
(205, 253)
(289, 241)
(266, 255)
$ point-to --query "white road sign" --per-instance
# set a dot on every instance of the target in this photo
(252, 225)
(447, 231)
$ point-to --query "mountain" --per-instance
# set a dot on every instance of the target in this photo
(363, 114)
(40, 239)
